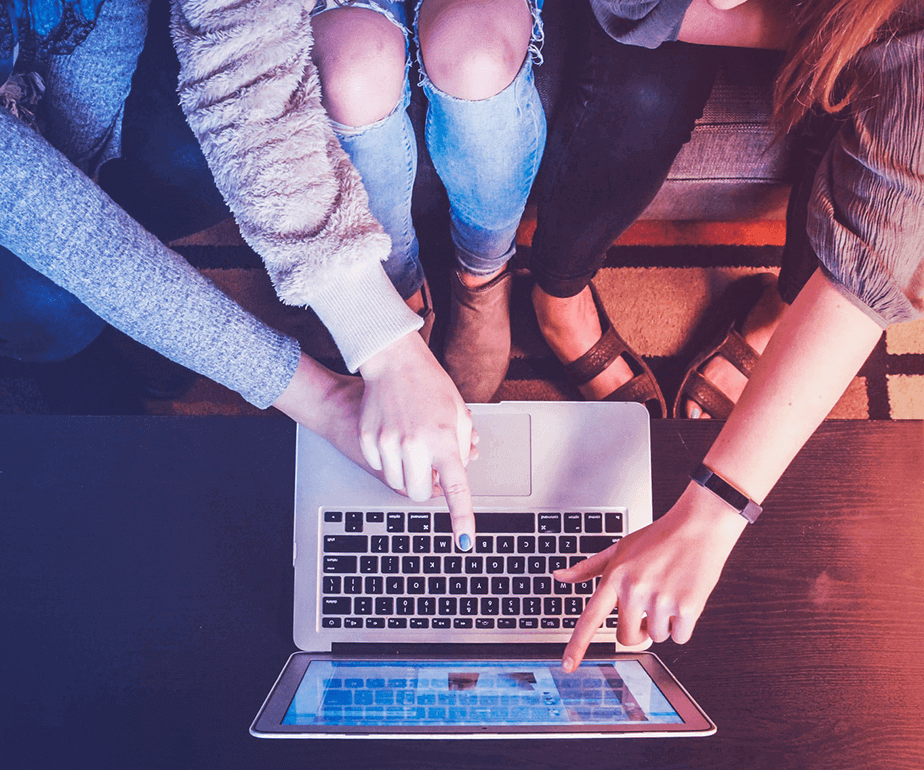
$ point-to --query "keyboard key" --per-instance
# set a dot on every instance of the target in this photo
(333, 517)
(500, 586)
(369, 565)
(572, 560)
(505, 544)
(551, 605)
(394, 585)
(436, 585)
(561, 588)
(587, 587)
(506, 623)
(567, 544)
(384, 605)
(484, 623)
(336, 605)
(404, 605)
(330, 622)
(397, 622)
(468, 605)
(442, 544)
(490, 605)
(461, 622)
(375, 517)
(452, 565)
(400, 544)
(557, 562)
(612, 522)
(550, 623)
(362, 605)
(529, 622)
(447, 605)
(390, 565)
(516, 565)
(568, 622)
(542, 585)
(521, 585)
(352, 622)
(593, 522)
(339, 564)
(331, 585)
(478, 585)
(596, 543)
(426, 605)
(573, 522)
(549, 523)
(352, 584)
(510, 605)
(484, 544)
(416, 585)
(506, 523)
(353, 521)
(375, 622)
(432, 565)
(379, 544)
(410, 565)
(535, 565)
(526, 544)
(375, 584)
(420, 623)
(394, 522)
(548, 544)
(458, 586)
(441, 623)
(420, 544)
(346, 543)
(494, 565)
(474, 565)
(418, 522)
(532, 605)
(574, 605)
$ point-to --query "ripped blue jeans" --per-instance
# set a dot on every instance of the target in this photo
(486, 152)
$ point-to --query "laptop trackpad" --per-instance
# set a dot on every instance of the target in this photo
(504, 464)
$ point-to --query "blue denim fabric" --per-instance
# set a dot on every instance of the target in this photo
(82, 109)
(486, 153)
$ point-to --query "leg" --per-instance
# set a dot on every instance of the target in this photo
(627, 116)
(485, 130)
(361, 55)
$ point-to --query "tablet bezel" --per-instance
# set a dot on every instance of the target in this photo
(268, 722)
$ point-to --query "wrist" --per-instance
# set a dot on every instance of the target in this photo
(392, 358)
(710, 515)
(308, 393)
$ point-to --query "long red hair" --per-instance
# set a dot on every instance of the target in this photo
(830, 34)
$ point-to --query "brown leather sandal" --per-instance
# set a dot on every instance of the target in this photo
(739, 299)
(642, 388)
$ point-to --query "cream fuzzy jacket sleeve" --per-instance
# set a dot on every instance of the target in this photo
(251, 95)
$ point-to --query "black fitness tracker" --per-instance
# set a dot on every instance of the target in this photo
(707, 478)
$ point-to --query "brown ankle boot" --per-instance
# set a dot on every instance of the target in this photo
(477, 351)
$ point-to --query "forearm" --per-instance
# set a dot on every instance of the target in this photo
(820, 344)
(753, 24)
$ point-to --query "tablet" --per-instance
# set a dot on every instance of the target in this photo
(320, 695)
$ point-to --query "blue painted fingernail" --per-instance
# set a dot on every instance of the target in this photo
(465, 542)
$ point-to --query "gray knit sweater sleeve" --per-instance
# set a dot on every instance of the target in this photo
(252, 97)
(645, 23)
(60, 223)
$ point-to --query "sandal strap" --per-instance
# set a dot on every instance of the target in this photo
(595, 361)
(736, 350)
(640, 388)
(712, 400)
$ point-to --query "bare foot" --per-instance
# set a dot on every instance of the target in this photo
(757, 329)
(571, 327)
(415, 302)
(476, 281)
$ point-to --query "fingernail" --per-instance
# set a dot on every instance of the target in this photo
(695, 412)
(465, 542)
(568, 665)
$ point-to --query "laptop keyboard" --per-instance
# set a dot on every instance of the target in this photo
(396, 570)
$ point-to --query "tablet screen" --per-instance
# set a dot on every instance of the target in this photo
(476, 693)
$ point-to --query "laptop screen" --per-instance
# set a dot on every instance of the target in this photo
(483, 693)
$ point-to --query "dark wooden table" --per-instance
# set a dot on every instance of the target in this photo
(146, 604)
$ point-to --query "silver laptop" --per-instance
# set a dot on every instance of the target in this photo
(554, 483)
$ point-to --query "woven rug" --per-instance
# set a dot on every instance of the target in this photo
(658, 297)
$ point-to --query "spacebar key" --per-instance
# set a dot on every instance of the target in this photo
(492, 523)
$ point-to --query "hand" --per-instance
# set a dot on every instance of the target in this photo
(416, 429)
(659, 577)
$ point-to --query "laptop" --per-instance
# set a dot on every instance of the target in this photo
(403, 635)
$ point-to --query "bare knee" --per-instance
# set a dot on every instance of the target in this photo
(473, 49)
(360, 56)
